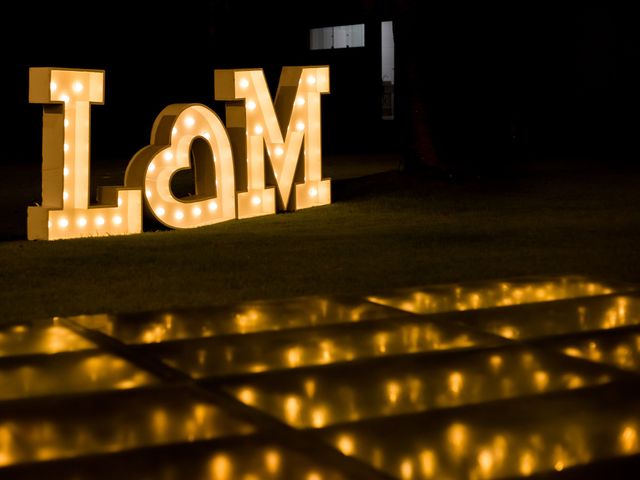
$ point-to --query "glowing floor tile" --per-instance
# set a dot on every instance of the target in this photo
(619, 348)
(25, 339)
(253, 317)
(517, 438)
(474, 296)
(232, 459)
(557, 318)
(313, 346)
(320, 397)
(69, 373)
(110, 423)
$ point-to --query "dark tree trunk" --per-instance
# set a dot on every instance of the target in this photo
(411, 106)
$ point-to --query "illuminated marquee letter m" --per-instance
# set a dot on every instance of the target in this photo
(259, 123)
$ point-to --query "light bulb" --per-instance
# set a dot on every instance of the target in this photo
(117, 220)
(244, 83)
(189, 121)
(65, 195)
(78, 87)
(196, 211)
(251, 105)
(313, 192)
(152, 167)
(179, 215)
(119, 202)
(311, 80)
(63, 222)
(213, 206)
(100, 220)
(279, 151)
(53, 86)
(300, 126)
(82, 222)
(66, 147)
(174, 130)
(168, 156)
(148, 193)
(66, 171)
(258, 129)
(256, 200)
(66, 122)
(64, 98)
(206, 135)
(300, 101)
(160, 211)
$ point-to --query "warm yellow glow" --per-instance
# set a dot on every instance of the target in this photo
(272, 460)
(455, 382)
(541, 380)
(169, 152)
(508, 331)
(256, 123)
(573, 380)
(393, 392)
(560, 458)
(406, 469)
(527, 463)
(428, 463)
(294, 356)
(319, 417)
(496, 362)
(457, 436)
(381, 340)
(221, 467)
(572, 352)
(247, 395)
(485, 461)
(629, 439)
(310, 387)
(313, 476)
(67, 96)
(346, 444)
(292, 409)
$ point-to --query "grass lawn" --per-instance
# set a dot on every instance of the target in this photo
(384, 230)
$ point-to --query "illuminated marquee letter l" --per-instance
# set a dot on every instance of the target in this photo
(67, 96)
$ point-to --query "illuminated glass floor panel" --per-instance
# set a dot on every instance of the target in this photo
(68, 373)
(321, 397)
(251, 458)
(556, 318)
(479, 295)
(620, 348)
(108, 423)
(155, 327)
(26, 339)
(313, 346)
(278, 389)
(506, 439)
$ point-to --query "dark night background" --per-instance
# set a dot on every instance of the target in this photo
(477, 88)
